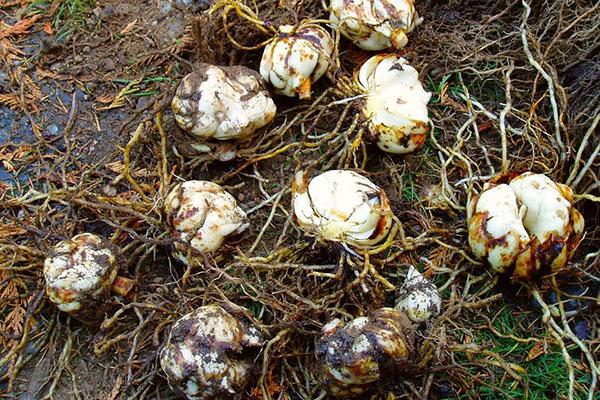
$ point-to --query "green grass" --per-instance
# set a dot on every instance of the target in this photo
(70, 16)
(409, 192)
(546, 376)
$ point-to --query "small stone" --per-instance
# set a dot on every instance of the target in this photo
(241, 197)
(78, 58)
(109, 190)
(52, 129)
(108, 64)
(97, 12)
(86, 49)
(57, 67)
(107, 12)
(90, 86)
(141, 103)
(158, 280)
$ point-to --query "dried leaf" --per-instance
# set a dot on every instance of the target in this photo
(537, 350)
(119, 100)
(19, 28)
(129, 27)
(8, 230)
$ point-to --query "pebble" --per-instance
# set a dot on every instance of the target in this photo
(141, 103)
(57, 67)
(52, 129)
(109, 190)
(106, 12)
(91, 86)
(78, 58)
(108, 64)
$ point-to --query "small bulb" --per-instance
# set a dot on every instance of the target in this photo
(396, 104)
(354, 356)
(202, 214)
(418, 297)
(374, 24)
(221, 103)
(208, 354)
(80, 273)
(296, 58)
(342, 205)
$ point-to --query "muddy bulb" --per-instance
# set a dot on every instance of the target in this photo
(396, 103)
(81, 272)
(202, 215)
(296, 58)
(418, 297)
(364, 351)
(208, 354)
(221, 103)
(341, 205)
(374, 24)
(526, 227)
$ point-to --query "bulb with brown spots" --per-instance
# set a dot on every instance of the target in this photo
(296, 58)
(80, 274)
(396, 104)
(527, 227)
(209, 352)
(366, 350)
(202, 214)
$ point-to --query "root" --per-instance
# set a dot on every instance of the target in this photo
(565, 333)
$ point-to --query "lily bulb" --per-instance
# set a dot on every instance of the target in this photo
(202, 214)
(296, 58)
(396, 103)
(526, 227)
(354, 356)
(208, 352)
(496, 232)
(418, 297)
(341, 205)
(375, 24)
(222, 103)
(80, 274)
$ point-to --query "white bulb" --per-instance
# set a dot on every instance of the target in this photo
(496, 232)
(80, 272)
(222, 103)
(396, 103)
(342, 205)
(375, 24)
(418, 297)
(296, 58)
(202, 214)
(206, 355)
(527, 227)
